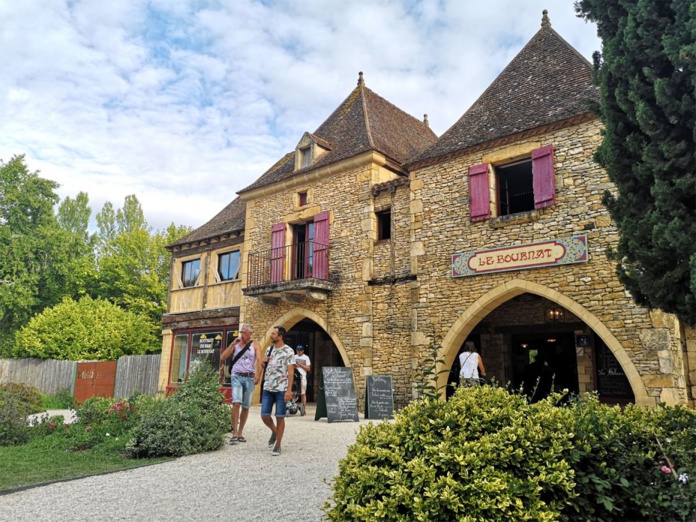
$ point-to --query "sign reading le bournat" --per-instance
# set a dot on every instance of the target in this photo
(563, 251)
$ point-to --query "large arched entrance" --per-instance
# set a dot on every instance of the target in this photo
(526, 332)
(308, 329)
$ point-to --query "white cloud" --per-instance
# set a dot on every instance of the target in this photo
(185, 102)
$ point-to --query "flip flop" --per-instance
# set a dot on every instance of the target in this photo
(241, 439)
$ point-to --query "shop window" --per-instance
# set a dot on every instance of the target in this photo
(205, 346)
(177, 373)
(527, 184)
(190, 271)
(228, 265)
(383, 224)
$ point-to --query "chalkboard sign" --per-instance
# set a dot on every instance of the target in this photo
(336, 399)
(611, 379)
(379, 397)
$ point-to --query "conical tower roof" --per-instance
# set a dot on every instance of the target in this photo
(548, 81)
(364, 121)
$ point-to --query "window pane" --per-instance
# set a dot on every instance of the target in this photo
(179, 359)
(190, 271)
(515, 188)
(205, 346)
(228, 264)
(384, 225)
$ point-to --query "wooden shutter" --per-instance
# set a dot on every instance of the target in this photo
(277, 252)
(544, 176)
(321, 246)
(479, 198)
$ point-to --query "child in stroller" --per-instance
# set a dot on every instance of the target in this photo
(293, 406)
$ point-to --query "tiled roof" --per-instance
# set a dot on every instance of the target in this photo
(548, 81)
(229, 219)
(364, 121)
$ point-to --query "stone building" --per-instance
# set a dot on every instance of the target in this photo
(374, 241)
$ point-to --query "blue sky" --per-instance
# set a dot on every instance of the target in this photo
(185, 102)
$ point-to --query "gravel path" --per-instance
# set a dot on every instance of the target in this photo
(242, 482)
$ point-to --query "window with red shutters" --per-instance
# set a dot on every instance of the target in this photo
(526, 184)
(277, 252)
(479, 199)
(321, 246)
(544, 176)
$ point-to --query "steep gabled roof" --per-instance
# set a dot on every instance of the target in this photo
(230, 219)
(364, 121)
(548, 81)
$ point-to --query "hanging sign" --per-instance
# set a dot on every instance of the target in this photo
(563, 251)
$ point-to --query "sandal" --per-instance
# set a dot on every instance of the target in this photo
(234, 440)
(241, 439)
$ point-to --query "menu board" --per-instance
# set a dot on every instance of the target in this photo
(336, 399)
(379, 397)
(611, 379)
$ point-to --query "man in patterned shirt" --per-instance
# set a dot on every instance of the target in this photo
(277, 386)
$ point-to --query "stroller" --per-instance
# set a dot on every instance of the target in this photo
(295, 403)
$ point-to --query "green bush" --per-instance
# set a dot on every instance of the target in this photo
(94, 410)
(26, 394)
(84, 330)
(489, 455)
(13, 420)
(16, 402)
(192, 420)
(62, 400)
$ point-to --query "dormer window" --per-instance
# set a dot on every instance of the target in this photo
(309, 150)
(305, 157)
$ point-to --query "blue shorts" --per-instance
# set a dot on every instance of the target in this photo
(268, 399)
(242, 390)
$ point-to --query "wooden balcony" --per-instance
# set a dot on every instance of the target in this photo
(290, 273)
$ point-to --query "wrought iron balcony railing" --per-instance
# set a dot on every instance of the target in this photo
(300, 261)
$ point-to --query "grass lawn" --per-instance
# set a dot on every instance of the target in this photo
(35, 463)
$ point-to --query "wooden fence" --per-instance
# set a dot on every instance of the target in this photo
(137, 373)
(133, 373)
(47, 375)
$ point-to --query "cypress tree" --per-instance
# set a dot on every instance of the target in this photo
(647, 78)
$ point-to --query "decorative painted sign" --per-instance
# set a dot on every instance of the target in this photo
(562, 251)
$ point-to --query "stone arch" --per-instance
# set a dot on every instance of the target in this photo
(466, 322)
(294, 316)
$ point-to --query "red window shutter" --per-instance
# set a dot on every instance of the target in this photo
(321, 246)
(544, 176)
(479, 198)
(277, 252)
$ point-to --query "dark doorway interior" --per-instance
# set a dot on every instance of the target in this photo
(318, 346)
(544, 362)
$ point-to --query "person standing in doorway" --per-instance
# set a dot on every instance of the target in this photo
(470, 363)
(277, 386)
(303, 366)
(245, 369)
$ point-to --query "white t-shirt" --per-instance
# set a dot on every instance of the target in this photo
(469, 362)
(304, 359)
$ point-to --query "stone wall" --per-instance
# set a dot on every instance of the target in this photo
(363, 268)
(444, 228)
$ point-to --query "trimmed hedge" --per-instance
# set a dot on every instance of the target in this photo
(192, 420)
(489, 455)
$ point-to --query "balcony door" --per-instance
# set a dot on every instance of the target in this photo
(303, 250)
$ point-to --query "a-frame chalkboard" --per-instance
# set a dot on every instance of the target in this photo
(336, 400)
(379, 397)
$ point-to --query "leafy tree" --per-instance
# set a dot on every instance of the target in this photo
(36, 258)
(647, 79)
(86, 329)
(133, 263)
